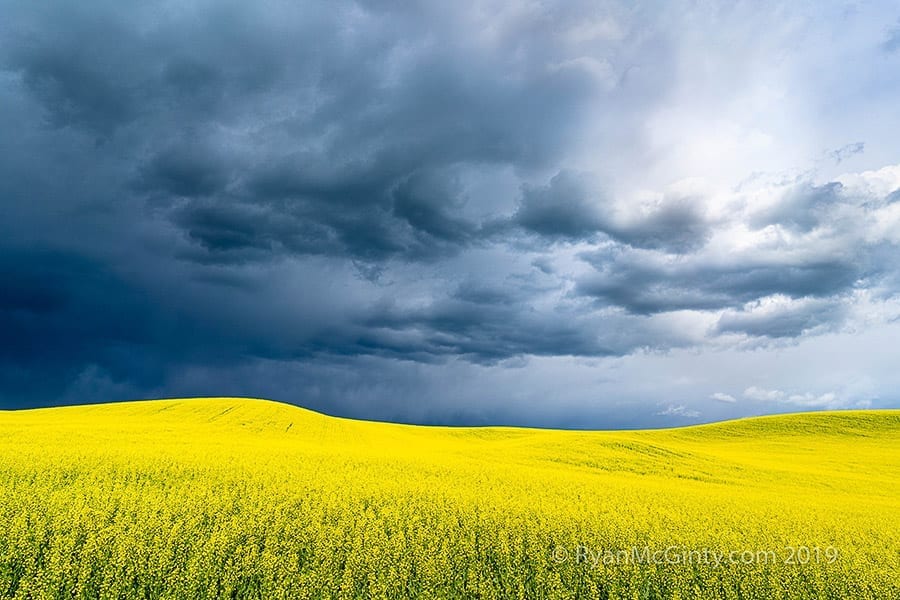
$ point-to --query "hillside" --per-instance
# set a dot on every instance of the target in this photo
(250, 498)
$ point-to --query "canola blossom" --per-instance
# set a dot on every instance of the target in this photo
(239, 498)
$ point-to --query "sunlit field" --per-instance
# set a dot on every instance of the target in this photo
(234, 498)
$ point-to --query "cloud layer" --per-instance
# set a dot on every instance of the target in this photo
(349, 205)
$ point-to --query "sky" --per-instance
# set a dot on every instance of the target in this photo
(572, 214)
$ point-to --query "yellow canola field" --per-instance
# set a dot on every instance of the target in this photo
(238, 498)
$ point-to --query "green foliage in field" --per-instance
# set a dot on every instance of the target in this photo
(231, 498)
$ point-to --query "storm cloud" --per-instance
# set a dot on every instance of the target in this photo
(396, 210)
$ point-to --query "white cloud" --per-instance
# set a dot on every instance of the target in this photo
(764, 395)
(808, 399)
(804, 399)
(722, 397)
(679, 411)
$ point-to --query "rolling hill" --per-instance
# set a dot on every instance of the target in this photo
(242, 498)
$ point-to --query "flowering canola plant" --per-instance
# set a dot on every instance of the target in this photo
(240, 498)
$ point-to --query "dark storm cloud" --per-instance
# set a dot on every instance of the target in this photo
(187, 170)
(194, 194)
(427, 201)
(231, 231)
(572, 206)
(803, 208)
(343, 120)
(784, 321)
(56, 308)
(564, 208)
(676, 226)
(488, 326)
(647, 287)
